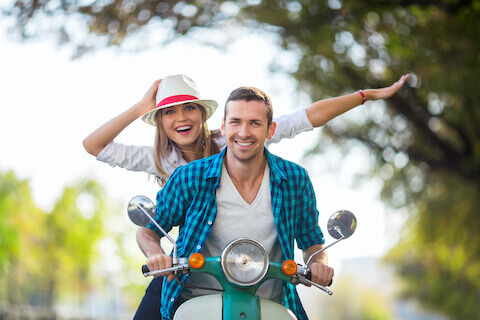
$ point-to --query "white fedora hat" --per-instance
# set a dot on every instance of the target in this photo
(175, 90)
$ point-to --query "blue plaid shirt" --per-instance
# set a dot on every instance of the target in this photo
(188, 200)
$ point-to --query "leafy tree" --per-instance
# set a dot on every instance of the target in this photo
(44, 254)
(424, 141)
(101, 23)
(74, 227)
(20, 230)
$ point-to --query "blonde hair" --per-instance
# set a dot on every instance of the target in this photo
(205, 146)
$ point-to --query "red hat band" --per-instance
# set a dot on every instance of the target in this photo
(176, 99)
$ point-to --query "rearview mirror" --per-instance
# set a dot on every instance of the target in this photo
(342, 224)
(138, 216)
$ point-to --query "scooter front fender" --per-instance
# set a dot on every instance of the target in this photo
(210, 307)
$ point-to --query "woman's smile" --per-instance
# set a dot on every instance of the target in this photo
(184, 130)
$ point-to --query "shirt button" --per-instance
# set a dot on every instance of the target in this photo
(199, 247)
(172, 299)
(210, 223)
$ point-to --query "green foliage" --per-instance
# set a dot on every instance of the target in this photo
(374, 307)
(72, 236)
(441, 260)
(43, 254)
(20, 219)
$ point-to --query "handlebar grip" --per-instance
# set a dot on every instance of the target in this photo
(309, 277)
(145, 269)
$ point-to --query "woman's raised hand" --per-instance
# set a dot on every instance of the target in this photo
(148, 101)
(387, 92)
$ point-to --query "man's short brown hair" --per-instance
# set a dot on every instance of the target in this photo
(251, 94)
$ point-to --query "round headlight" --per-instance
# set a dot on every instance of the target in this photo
(244, 262)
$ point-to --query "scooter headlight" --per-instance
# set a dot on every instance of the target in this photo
(244, 262)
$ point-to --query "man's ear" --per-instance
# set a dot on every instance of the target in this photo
(222, 127)
(271, 130)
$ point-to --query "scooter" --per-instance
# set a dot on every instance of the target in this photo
(242, 267)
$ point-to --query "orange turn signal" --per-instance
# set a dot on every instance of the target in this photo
(196, 260)
(289, 267)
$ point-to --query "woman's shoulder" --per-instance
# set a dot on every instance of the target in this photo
(219, 139)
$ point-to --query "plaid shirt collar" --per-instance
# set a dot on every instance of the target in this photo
(214, 171)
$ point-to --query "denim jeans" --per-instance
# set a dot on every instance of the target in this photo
(149, 308)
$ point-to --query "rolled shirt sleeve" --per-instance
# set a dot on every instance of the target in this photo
(309, 232)
(134, 158)
(288, 126)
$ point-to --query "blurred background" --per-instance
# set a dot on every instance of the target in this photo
(408, 167)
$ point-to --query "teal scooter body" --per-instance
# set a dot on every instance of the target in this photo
(237, 302)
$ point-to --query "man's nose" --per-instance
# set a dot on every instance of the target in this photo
(243, 131)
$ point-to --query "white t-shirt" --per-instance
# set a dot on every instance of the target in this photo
(141, 158)
(234, 220)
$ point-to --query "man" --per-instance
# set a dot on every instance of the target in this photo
(215, 200)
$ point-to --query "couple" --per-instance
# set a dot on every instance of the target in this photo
(243, 191)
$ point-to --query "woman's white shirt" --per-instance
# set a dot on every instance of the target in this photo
(141, 158)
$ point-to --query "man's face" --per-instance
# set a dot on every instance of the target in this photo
(246, 129)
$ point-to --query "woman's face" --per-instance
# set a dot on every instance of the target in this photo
(183, 124)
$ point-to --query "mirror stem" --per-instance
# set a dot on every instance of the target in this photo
(149, 215)
(323, 249)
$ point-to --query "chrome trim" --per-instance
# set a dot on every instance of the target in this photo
(236, 242)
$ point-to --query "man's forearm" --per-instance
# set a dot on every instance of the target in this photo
(149, 242)
(318, 265)
(321, 257)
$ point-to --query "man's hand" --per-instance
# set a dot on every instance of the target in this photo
(149, 243)
(321, 273)
(160, 261)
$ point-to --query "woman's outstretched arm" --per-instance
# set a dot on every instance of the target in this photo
(105, 134)
(322, 111)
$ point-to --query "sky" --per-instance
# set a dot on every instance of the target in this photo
(49, 103)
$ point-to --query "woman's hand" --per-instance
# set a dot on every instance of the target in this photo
(148, 101)
(387, 92)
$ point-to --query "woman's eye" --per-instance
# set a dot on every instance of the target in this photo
(168, 112)
(190, 107)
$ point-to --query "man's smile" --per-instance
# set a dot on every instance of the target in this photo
(244, 144)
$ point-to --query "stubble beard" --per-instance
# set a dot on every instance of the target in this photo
(244, 156)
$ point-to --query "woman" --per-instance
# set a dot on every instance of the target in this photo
(175, 107)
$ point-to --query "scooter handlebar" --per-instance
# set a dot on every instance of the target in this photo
(180, 267)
